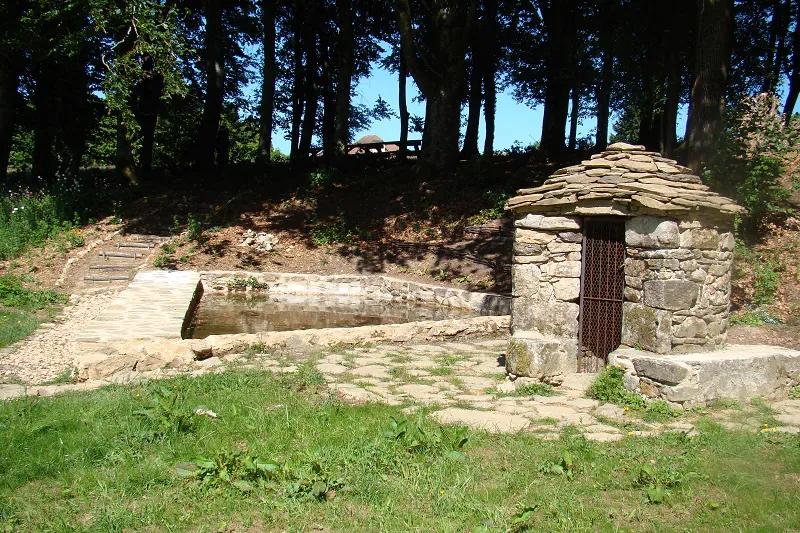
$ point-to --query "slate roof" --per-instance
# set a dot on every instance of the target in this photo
(623, 180)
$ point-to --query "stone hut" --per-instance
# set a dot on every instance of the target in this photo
(628, 248)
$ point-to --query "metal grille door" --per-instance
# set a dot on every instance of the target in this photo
(602, 286)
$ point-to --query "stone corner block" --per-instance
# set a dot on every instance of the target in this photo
(646, 328)
(548, 223)
(671, 294)
(539, 357)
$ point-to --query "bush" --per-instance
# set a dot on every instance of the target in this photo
(751, 162)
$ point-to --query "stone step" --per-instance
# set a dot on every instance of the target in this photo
(126, 255)
(106, 278)
(112, 267)
(149, 238)
(146, 245)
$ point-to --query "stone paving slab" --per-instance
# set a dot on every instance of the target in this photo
(154, 305)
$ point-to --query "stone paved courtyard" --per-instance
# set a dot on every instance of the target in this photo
(463, 383)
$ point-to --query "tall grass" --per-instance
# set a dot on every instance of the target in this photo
(28, 219)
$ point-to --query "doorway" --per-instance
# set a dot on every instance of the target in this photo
(602, 288)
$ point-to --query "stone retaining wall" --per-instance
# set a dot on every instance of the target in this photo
(373, 287)
(100, 360)
(141, 330)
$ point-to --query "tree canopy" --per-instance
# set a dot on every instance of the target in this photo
(140, 84)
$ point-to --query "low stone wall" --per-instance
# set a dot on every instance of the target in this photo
(374, 287)
(697, 379)
(101, 360)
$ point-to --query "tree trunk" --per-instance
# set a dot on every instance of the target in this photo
(73, 112)
(490, 58)
(45, 101)
(777, 33)
(8, 96)
(442, 124)
(439, 73)
(311, 91)
(470, 147)
(669, 120)
(402, 75)
(794, 76)
(713, 55)
(124, 160)
(344, 56)
(329, 102)
(215, 81)
(573, 123)
(603, 91)
(558, 18)
(554, 117)
(298, 98)
(489, 108)
(149, 91)
(268, 82)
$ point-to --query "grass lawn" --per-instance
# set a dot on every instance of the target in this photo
(283, 455)
(23, 309)
(16, 325)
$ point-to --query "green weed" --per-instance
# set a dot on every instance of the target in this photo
(608, 387)
(14, 294)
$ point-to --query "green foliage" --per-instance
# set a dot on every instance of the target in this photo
(21, 157)
(766, 281)
(305, 379)
(28, 219)
(194, 228)
(660, 411)
(608, 387)
(564, 467)
(101, 148)
(163, 260)
(626, 128)
(167, 414)
(321, 178)
(325, 234)
(751, 159)
(419, 439)
(529, 389)
(240, 284)
(14, 294)
(658, 482)
(137, 29)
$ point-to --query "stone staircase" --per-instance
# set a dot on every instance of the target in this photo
(120, 261)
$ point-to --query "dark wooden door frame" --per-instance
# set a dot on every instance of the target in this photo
(589, 361)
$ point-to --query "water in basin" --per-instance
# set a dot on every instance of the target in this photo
(232, 313)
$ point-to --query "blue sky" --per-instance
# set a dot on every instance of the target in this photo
(513, 121)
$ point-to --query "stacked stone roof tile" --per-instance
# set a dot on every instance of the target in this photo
(623, 180)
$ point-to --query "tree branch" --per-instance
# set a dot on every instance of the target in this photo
(408, 47)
